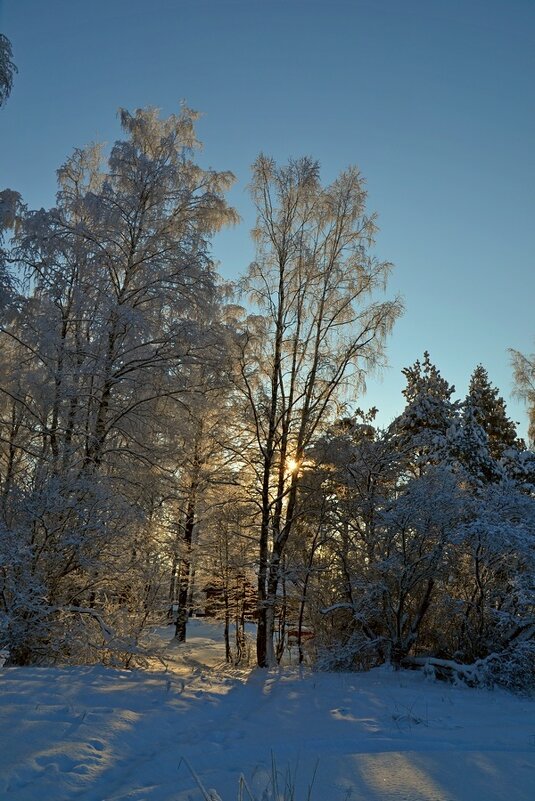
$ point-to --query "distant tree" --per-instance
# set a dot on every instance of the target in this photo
(7, 69)
(201, 463)
(228, 560)
(524, 372)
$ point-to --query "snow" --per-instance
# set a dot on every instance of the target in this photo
(98, 734)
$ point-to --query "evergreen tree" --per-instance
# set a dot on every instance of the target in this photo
(421, 431)
(489, 410)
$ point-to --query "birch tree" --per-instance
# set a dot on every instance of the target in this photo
(7, 69)
(524, 372)
(320, 329)
(119, 286)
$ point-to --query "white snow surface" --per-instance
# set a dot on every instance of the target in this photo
(99, 734)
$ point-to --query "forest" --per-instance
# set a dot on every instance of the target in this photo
(168, 437)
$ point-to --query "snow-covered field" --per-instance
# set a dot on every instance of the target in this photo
(96, 734)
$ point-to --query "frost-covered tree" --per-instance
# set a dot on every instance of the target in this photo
(7, 68)
(226, 564)
(499, 535)
(420, 526)
(392, 546)
(469, 449)
(362, 469)
(489, 411)
(431, 544)
(202, 467)
(102, 344)
(524, 372)
(319, 329)
(421, 431)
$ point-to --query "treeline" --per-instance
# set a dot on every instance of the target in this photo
(159, 428)
(417, 541)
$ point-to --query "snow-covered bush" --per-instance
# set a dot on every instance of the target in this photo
(513, 669)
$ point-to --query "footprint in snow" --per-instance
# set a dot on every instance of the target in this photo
(97, 745)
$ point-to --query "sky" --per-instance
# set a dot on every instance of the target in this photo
(432, 99)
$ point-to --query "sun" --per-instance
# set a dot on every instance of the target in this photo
(292, 465)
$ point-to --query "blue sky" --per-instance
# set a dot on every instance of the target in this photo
(433, 99)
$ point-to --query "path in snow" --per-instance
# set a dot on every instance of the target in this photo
(96, 734)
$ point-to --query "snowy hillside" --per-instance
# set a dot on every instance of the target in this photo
(96, 734)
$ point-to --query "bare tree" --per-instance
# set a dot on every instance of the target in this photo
(524, 371)
(319, 332)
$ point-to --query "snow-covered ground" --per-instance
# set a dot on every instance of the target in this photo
(97, 734)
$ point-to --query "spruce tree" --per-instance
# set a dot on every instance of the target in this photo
(422, 428)
(470, 448)
(489, 410)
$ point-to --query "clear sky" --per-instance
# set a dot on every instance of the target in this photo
(432, 99)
